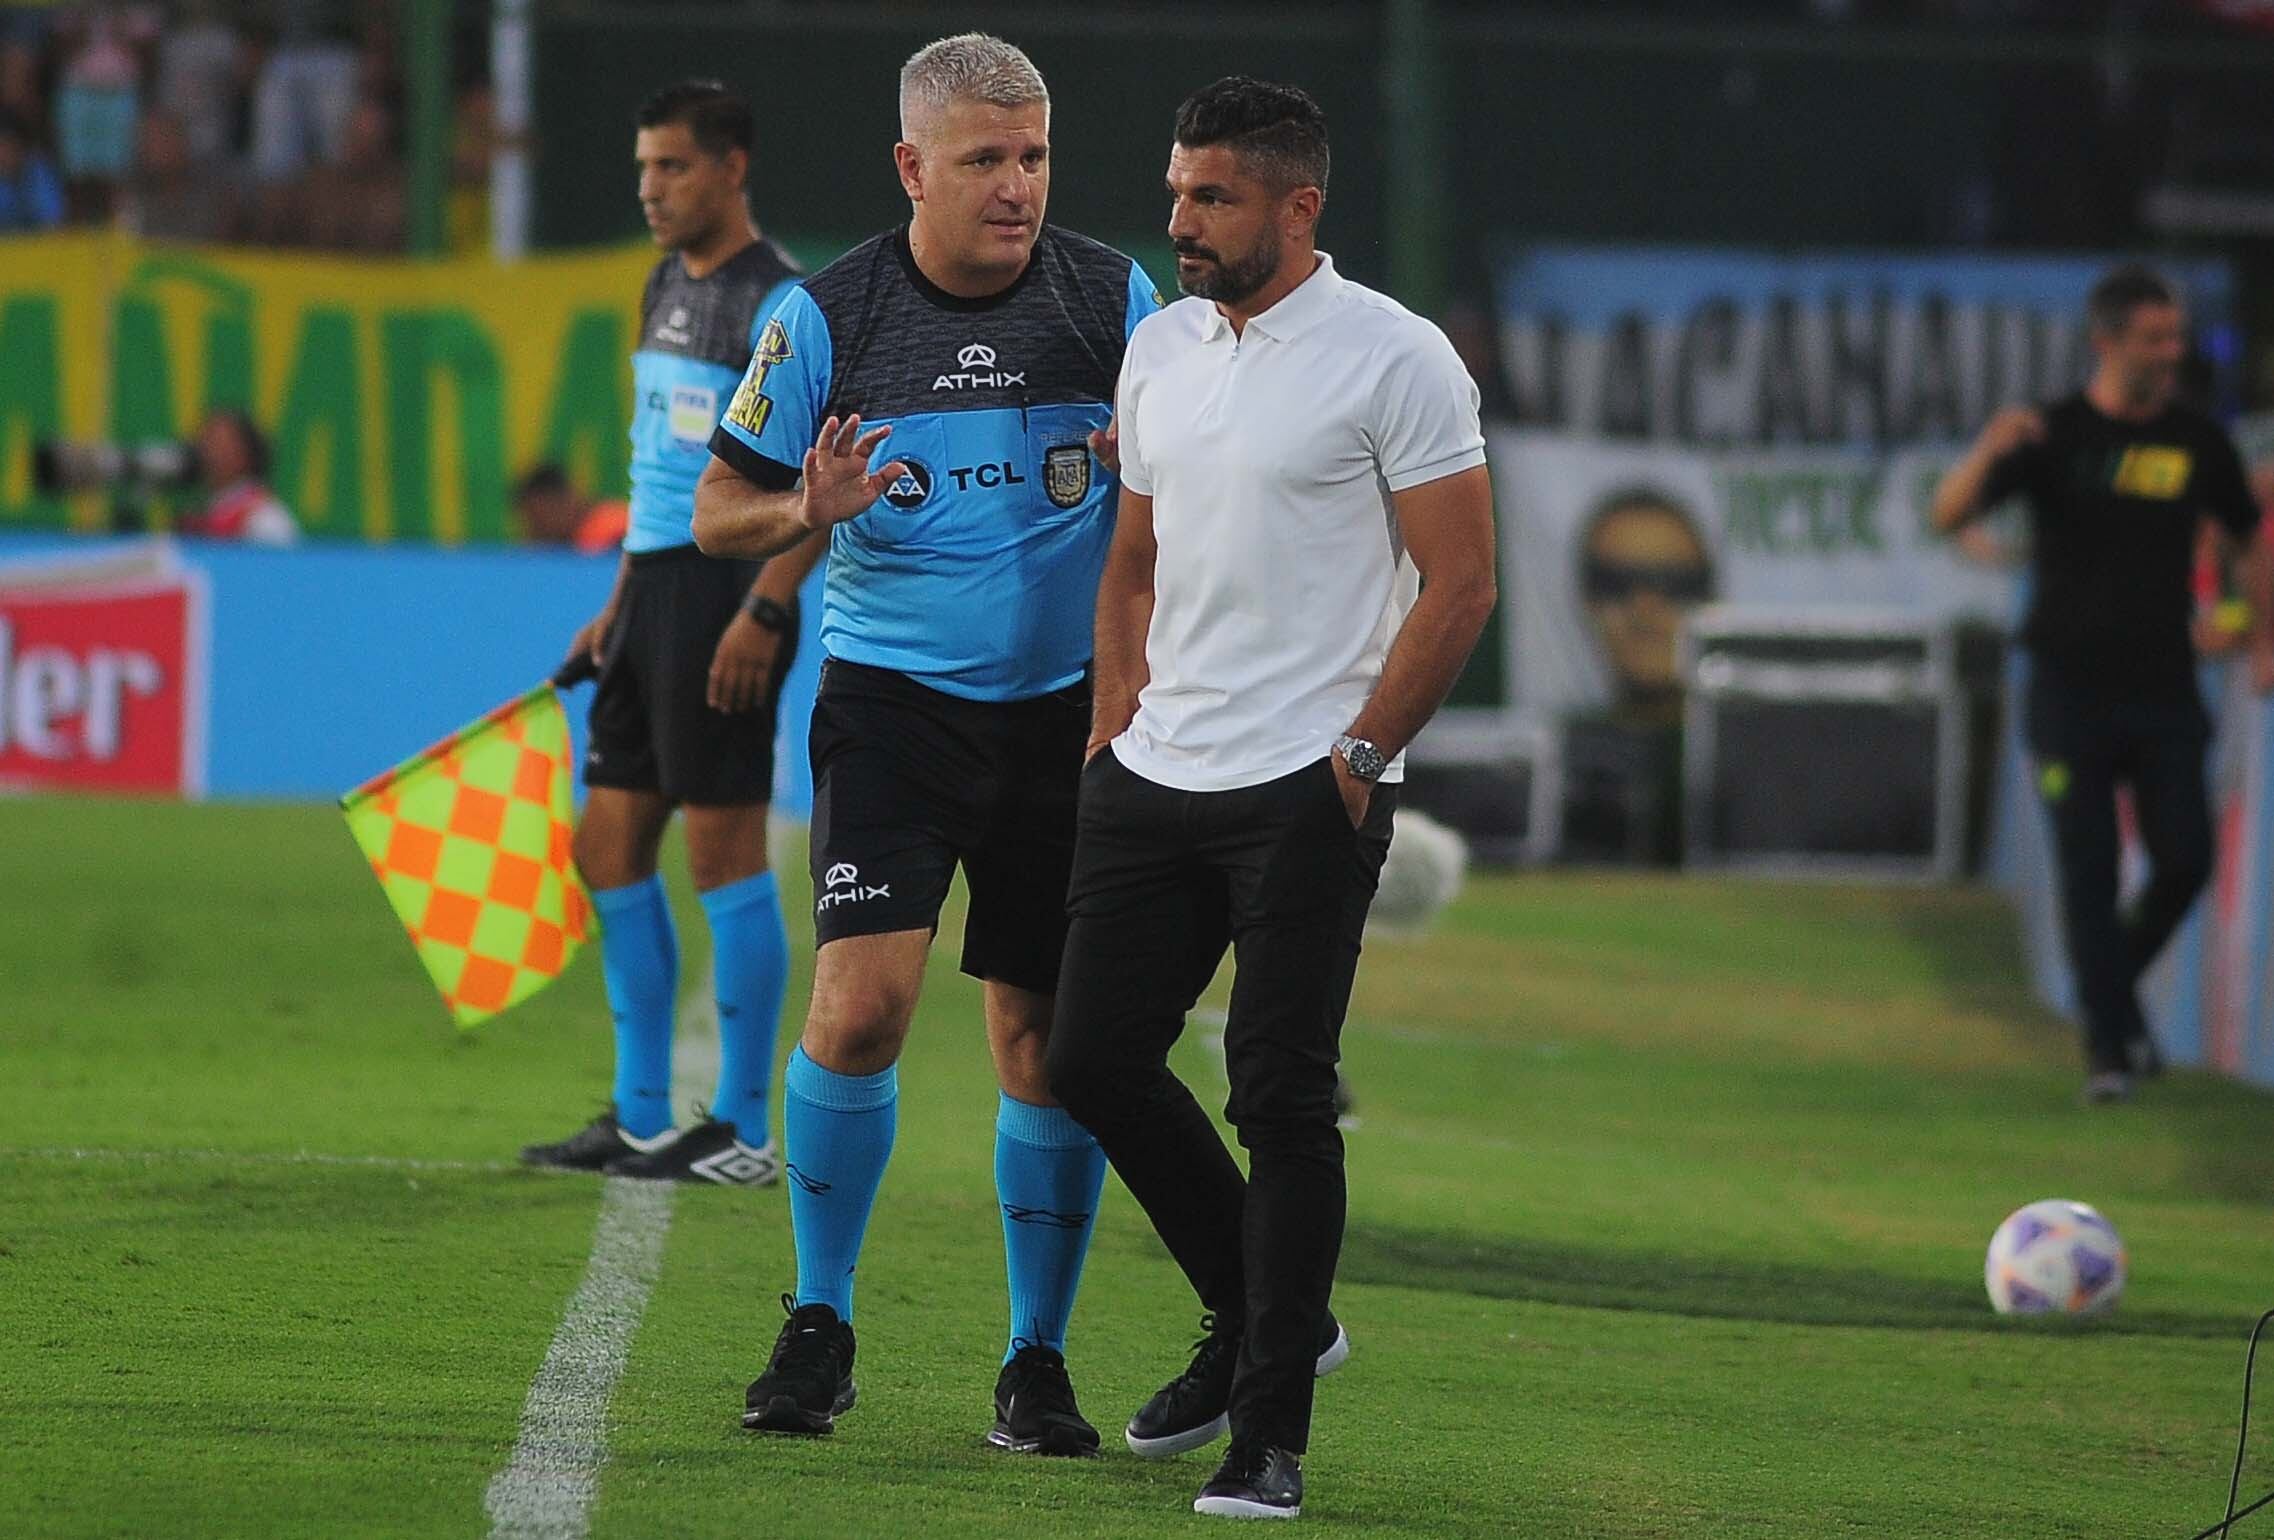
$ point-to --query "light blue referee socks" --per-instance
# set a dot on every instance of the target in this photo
(639, 958)
(750, 966)
(1048, 1174)
(837, 1135)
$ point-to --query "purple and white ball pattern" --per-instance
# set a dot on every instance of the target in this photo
(2055, 1257)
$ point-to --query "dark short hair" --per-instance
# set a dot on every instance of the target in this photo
(718, 118)
(544, 479)
(2122, 290)
(1278, 131)
(249, 435)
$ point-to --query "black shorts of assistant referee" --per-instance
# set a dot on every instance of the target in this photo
(652, 726)
(909, 782)
(1163, 881)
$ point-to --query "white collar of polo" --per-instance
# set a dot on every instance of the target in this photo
(1298, 311)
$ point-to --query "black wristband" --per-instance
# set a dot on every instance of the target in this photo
(774, 616)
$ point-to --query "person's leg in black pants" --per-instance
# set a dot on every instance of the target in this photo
(2168, 745)
(1146, 935)
(2074, 739)
(1301, 881)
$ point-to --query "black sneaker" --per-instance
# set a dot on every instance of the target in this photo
(1193, 1409)
(1256, 1481)
(708, 1152)
(594, 1145)
(2143, 1057)
(808, 1383)
(2106, 1087)
(1034, 1406)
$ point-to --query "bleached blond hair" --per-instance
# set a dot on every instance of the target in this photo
(969, 67)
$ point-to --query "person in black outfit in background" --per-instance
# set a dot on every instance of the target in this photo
(2116, 479)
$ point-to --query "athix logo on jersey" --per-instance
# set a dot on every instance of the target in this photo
(674, 328)
(975, 370)
(844, 885)
(912, 488)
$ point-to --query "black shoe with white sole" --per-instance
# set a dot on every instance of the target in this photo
(593, 1146)
(1193, 1410)
(808, 1383)
(2143, 1057)
(1034, 1407)
(1256, 1481)
(708, 1152)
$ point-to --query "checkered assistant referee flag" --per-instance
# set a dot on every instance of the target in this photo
(470, 840)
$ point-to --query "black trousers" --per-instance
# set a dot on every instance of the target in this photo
(1163, 881)
(2088, 741)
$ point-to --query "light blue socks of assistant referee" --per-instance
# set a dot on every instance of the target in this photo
(639, 959)
(837, 1135)
(750, 968)
(1048, 1174)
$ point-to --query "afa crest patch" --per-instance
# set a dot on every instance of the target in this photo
(1066, 474)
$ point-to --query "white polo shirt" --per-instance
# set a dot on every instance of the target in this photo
(1270, 459)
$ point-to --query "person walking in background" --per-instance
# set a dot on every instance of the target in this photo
(1298, 453)
(691, 654)
(2116, 479)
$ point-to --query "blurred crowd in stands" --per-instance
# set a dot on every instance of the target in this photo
(270, 122)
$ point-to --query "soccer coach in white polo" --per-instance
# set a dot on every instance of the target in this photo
(1297, 454)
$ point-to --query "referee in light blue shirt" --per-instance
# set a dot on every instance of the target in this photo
(932, 399)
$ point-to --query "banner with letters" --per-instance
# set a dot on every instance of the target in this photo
(401, 397)
(1707, 345)
(1607, 547)
(202, 668)
(103, 675)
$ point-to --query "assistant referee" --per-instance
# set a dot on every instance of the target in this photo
(1297, 452)
(2117, 479)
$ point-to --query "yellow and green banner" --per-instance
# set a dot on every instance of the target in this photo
(470, 839)
(402, 397)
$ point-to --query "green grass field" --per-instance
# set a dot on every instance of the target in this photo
(1667, 1215)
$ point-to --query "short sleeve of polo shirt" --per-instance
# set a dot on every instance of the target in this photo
(770, 423)
(1427, 421)
(1136, 475)
(2011, 473)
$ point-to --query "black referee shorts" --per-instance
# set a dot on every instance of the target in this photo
(909, 782)
(651, 727)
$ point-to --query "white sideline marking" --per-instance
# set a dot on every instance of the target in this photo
(545, 1491)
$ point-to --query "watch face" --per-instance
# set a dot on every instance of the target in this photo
(1365, 760)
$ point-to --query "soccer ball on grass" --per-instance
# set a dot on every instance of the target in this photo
(2055, 1257)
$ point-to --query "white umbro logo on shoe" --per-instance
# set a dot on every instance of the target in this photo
(738, 1165)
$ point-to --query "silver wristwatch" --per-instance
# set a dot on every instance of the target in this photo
(1364, 761)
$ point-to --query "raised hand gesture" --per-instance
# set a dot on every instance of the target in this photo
(838, 485)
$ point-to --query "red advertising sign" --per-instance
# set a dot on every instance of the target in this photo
(102, 680)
